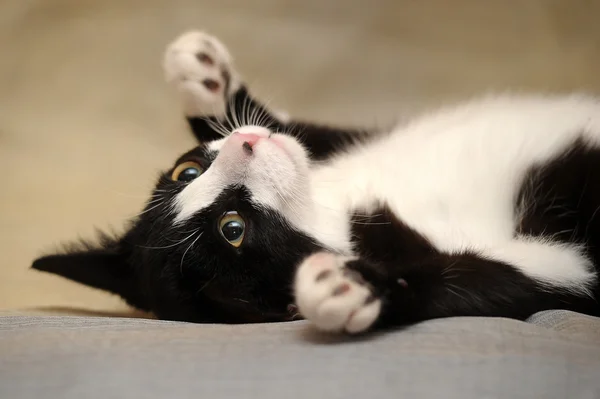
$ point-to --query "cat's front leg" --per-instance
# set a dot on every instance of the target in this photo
(215, 101)
(200, 67)
(355, 294)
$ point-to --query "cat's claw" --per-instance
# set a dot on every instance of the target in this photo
(332, 297)
(200, 67)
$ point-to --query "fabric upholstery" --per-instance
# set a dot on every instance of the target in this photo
(88, 357)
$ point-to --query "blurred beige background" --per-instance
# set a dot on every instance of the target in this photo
(86, 120)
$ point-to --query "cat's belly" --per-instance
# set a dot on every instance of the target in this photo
(455, 197)
(451, 224)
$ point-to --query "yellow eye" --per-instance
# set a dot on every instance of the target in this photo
(232, 227)
(186, 172)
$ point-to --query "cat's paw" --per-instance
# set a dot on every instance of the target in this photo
(200, 67)
(333, 297)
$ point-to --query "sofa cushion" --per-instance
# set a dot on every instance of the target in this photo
(75, 357)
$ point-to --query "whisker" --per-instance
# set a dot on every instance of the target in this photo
(206, 284)
(172, 245)
(253, 114)
(234, 114)
(155, 199)
(158, 190)
(228, 114)
(264, 118)
(371, 223)
(245, 110)
(216, 127)
(225, 129)
(149, 209)
(186, 251)
(452, 288)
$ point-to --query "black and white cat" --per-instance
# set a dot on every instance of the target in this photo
(488, 208)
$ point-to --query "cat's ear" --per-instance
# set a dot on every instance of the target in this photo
(104, 267)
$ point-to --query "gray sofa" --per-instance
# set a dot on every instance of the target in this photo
(555, 354)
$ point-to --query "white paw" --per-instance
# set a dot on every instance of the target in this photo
(332, 297)
(200, 67)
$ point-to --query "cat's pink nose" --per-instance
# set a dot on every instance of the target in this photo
(248, 136)
(250, 139)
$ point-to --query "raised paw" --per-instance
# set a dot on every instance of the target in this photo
(200, 67)
(332, 297)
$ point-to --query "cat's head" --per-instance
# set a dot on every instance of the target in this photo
(217, 242)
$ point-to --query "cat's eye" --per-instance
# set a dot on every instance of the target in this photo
(232, 227)
(186, 171)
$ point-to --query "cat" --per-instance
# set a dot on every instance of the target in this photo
(484, 208)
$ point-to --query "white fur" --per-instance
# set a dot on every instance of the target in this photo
(184, 71)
